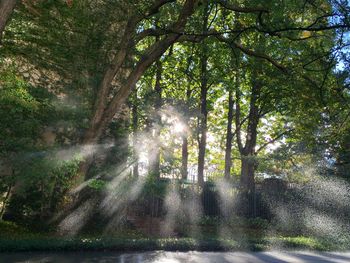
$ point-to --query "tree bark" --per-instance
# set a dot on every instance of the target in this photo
(4, 202)
(6, 10)
(184, 157)
(155, 154)
(184, 148)
(134, 113)
(248, 153)
(203, 97)
(247, 173)
(229, 136)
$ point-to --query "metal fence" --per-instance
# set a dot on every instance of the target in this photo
(210, 201)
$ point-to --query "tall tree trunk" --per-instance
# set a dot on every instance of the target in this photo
(184, 157)
(229, 135)
(247, 151)
(4, 201)
(6, 9)
(247, 173)
(202, 125)
(248, 154)
(204, 91)
(135, 169)
(155, 159)
(184, 150)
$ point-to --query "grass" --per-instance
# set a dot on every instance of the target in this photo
(115, 244)
(14, 238)
(300, 242)
(168, 244)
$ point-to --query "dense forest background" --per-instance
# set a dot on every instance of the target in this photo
(106, 103)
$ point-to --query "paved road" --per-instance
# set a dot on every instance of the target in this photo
(177, 257)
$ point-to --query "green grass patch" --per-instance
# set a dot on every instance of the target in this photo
(14, 238)
(310, 243)
(302, 242)
(169, 244)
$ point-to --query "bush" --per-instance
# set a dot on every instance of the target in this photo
(44, 183)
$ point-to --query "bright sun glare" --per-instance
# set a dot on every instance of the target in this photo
(179, 127)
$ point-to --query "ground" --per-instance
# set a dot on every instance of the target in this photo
(179, 257)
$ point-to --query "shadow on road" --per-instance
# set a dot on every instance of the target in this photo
(177, 257)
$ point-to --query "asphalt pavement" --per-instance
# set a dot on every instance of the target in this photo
(177, 257)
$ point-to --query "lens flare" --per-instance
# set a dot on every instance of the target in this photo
(179, 127)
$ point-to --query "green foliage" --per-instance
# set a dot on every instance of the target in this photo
(236, 222)
(12, 230)
(155, 187)
(97, 184)
(20, 114)
(44, 183)
(258, 223)
(209, 221)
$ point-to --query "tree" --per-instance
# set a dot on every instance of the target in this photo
(186, 113)
(203, 118)
(249, 74)
(155, 149)
(6, 9)
(132, 15)
(229, 136)
(135, 135)
(104, 113)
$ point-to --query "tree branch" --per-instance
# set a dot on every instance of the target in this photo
(156, 6)
(235, 8)
(152, 54)
(238, 121)
(274, 140)
(251, 52)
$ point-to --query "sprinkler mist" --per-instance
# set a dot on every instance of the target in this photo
(318, 208)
